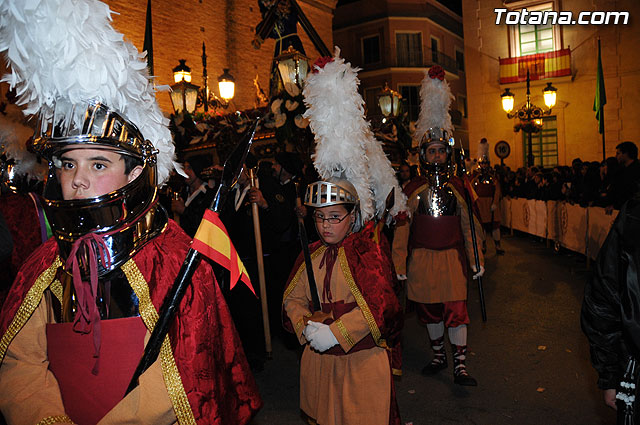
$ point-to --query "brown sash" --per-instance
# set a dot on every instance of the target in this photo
(338, 309)
(87, 397)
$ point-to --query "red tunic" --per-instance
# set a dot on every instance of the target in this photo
(212, 368)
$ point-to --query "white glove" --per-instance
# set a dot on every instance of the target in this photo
(321, 338)
(401, 276)
(476, 273)
(493, 207)
(309, 330)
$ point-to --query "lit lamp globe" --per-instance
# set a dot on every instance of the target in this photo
(389, 102)
(549, 94)
(508, 100)
(293, 67)
(226, 85)
(183, 94)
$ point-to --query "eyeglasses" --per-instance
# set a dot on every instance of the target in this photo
(319, 218)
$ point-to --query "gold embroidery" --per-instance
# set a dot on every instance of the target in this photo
(28, 306)
(56, 289)
(56, 419)
(368, 316)
(170, 372)
(299, 324)
(296, 277)
(396, 372)
(345, 333)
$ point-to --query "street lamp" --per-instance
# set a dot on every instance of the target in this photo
(389, 102)
(183, 94)
(530, 115)
(293, 67)
(227, 86)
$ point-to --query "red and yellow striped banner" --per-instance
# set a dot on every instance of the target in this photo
(212, 241)
(540, 66)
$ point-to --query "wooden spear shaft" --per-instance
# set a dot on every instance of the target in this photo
(261, 278)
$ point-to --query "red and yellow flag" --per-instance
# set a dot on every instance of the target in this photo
(212, 241)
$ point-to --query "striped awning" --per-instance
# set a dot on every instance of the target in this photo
(540, 66)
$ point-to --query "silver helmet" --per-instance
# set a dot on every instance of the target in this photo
(126, 218)
(334, 191)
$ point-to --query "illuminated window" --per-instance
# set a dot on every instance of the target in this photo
(544, 144)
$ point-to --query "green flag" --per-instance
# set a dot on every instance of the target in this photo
(601, 97)
(148, 39)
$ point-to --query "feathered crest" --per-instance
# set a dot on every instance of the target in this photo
(67, 50)
(435, 100)
(14, 134)
(345, 145)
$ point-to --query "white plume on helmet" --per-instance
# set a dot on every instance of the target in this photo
(14, 133)
(435, 100)
(68, 50)
(345, 145)
(483, 149)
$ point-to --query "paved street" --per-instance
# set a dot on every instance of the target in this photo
(530, 358)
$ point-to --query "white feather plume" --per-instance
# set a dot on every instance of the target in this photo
(14, 133)
(435, 100)
(483, 148)
(68, 49)
(336, 115)
(382, 178)
(345, 145)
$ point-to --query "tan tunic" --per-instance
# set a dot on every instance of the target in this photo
(25, 367)
(351, 389)
(434, 276)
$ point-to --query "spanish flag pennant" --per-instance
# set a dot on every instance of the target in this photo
(212, 240)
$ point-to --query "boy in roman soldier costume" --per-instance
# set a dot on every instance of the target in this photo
(75, 322)
(345, 370)
(487, 187)
(437, 239)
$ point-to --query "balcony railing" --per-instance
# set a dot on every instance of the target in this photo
(539, 65)
(413, 58)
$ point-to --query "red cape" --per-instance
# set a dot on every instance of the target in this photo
(207, 350)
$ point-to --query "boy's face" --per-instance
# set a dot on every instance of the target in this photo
(90, 173)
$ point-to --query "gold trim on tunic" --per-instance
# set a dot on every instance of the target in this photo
(50, 420)
(56, 289)
(170, 372)
(345, 333)
(296, 277)
(29, 305)
(368, 316)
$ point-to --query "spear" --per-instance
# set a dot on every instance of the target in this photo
(232, 169)
(483, 307)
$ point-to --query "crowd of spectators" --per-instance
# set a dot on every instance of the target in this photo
(605, 184)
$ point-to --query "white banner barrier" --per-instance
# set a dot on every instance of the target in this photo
(599, 225)
(576, 228)
(520, 215)
(505, 210)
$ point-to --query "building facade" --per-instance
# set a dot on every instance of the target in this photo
(498, 56)
(394, 42)
(227, 27)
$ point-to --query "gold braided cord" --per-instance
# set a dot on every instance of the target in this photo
(56, 289)
(345, 333)
(296, 277)
(368, 316)
(170, 372)
(29, 305)
(299, 325)
(60, 419)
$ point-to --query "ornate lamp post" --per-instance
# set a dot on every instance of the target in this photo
(530, 115)
(389, 102)
(226, 86)
(183, 94)
(293, 67)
